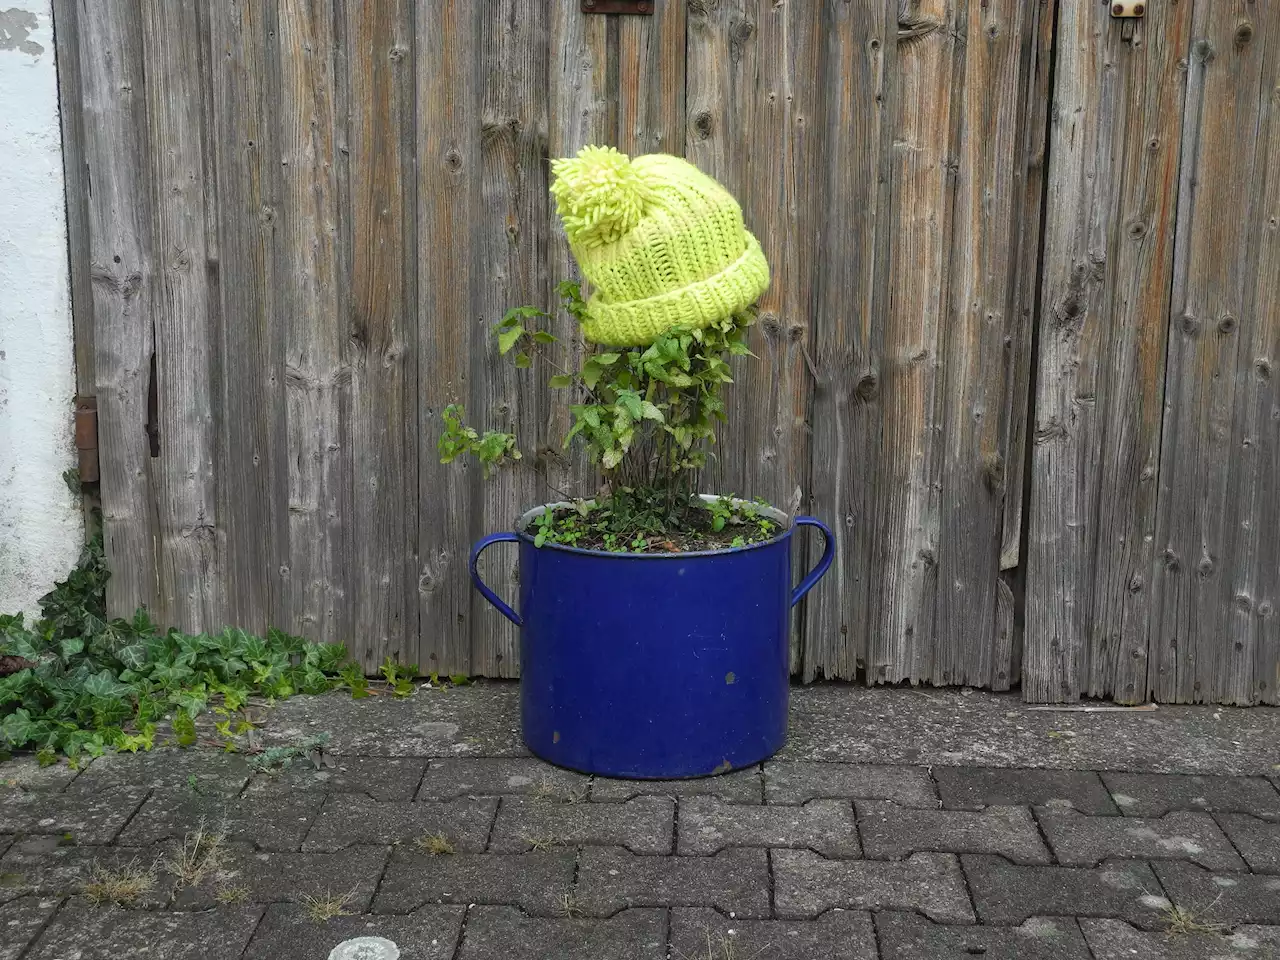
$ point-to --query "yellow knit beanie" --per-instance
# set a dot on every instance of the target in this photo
(661, 243)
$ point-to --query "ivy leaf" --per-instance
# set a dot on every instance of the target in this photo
(606, 359)
(70, 646)
(103, 684)
(184, 728)
(591, 372)
(543, 337)
(523, 361)
(509, 338)
(651, 412)
(561, 381)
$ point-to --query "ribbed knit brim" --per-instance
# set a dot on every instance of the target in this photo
(699, 304)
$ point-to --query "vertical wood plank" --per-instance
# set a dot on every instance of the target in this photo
(908, 475)
(448, 76)
(1208, 455)
(511, 269)
(117, 175)
(851, 290)
(317, 381)
(651, 78)
(253, 488)
(382, 332)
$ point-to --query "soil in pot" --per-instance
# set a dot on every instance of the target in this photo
(635, 522)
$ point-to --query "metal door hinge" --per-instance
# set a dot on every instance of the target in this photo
(1128, 8)
(87, 438)
(641, 7)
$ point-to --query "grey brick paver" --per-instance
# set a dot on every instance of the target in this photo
(108, 933)
(892, 832)
(1007, 894)
(1078, 840)
(741, 786)
(1154, 795)
(269, 823)
(21, 920)
(1257, 840)
(1225, 897)
(173, 771)
(286, 933)
(263, 876)
(806, 884)
(35, 867)
(89, 818)
(798, 782)
(349, 819)
(504, 933)
(907, 936)
(382, 778)
(703, 934)
(610, 878)
(25, 772)
(827, 826)
(537, 882)
(496, 776)
(642, 825)
(973, 788)
(1116, 940)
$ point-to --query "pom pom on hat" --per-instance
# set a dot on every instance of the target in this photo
(600, 196)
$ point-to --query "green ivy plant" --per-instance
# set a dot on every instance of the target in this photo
(647, 416)
(77, 683)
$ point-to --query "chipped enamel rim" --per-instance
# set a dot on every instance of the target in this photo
(365, 948)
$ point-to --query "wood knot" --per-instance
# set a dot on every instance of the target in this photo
(1262, 367)
(453, 160)
(703, 124)
(1228, 325)
(1189, 325)
(1244, 33)
(1203, 51)
(868, 387)
(1136, 583)
(1137, 230)
(1205, 568)
(1171, 562)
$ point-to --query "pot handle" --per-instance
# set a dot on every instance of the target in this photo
(483, 587)
(828, 553)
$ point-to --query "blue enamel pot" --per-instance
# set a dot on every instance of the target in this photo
(654, 666)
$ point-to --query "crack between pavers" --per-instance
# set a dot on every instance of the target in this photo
(1231, 842)
(1044, 836)
(128, 820)
(462, 933)
(773, 907)
(387, 854)
(262, 915)
(675, 826)
(493, 825)
(26, 951)
(416, 796)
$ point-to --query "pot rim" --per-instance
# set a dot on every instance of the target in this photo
(788, 524)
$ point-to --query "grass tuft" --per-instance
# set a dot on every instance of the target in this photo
(328, 905)
(122, 886)
(201, 856)
(437, 845)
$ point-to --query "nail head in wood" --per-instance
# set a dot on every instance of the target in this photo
(1128, 8)
(634, 7)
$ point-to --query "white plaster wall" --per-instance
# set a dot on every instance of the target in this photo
(40, 521)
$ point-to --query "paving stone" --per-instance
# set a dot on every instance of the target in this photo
(973, 788)
(537, 882)
(348, 819)
(273, 876)
(1007, 894)
(495, 776)
(740, 786)
(1078, 840)
(610, 878)
(1154, 795)
(21, 920)
(1116, 940)
(699, 934)
(1257, 840)
(6, 841)
(504, 933)
(891, 832)
(642, 825)
(33, 867)
(708, 825)
(806, 884)
(269, 823)
(907, 936)
(382, 778)
(1228, 897)
(800, 782)
(84, 932)
(24, 772)
(90, 819)
(287, 932)
(172, 771)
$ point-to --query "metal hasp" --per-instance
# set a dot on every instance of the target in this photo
(639, 7)
(1128, 9)
(87, 438)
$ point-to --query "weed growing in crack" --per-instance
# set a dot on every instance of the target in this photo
(1186, 921)
(569, 907)
(328, 905)
(122, 886)
(437, 845)
(227, 895)
(539, 843)
(201, 856)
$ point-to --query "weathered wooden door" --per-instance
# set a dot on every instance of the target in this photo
(1154, 523)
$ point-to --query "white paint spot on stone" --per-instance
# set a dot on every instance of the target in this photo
(1242, 941)
(1118, 879)
(1224, 881)
(517, 780)
(365, 948)
(1123, 801)
(1153, 902)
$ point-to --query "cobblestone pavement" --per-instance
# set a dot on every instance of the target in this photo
(897, 825)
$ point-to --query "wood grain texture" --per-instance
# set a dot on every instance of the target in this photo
(651, 78)
(317, 376)
(382, 330)
(448, 79)
(117, 175)
(908, 473)
(860, 55)
(252, 487)
(1212, 480)
(511, 269)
